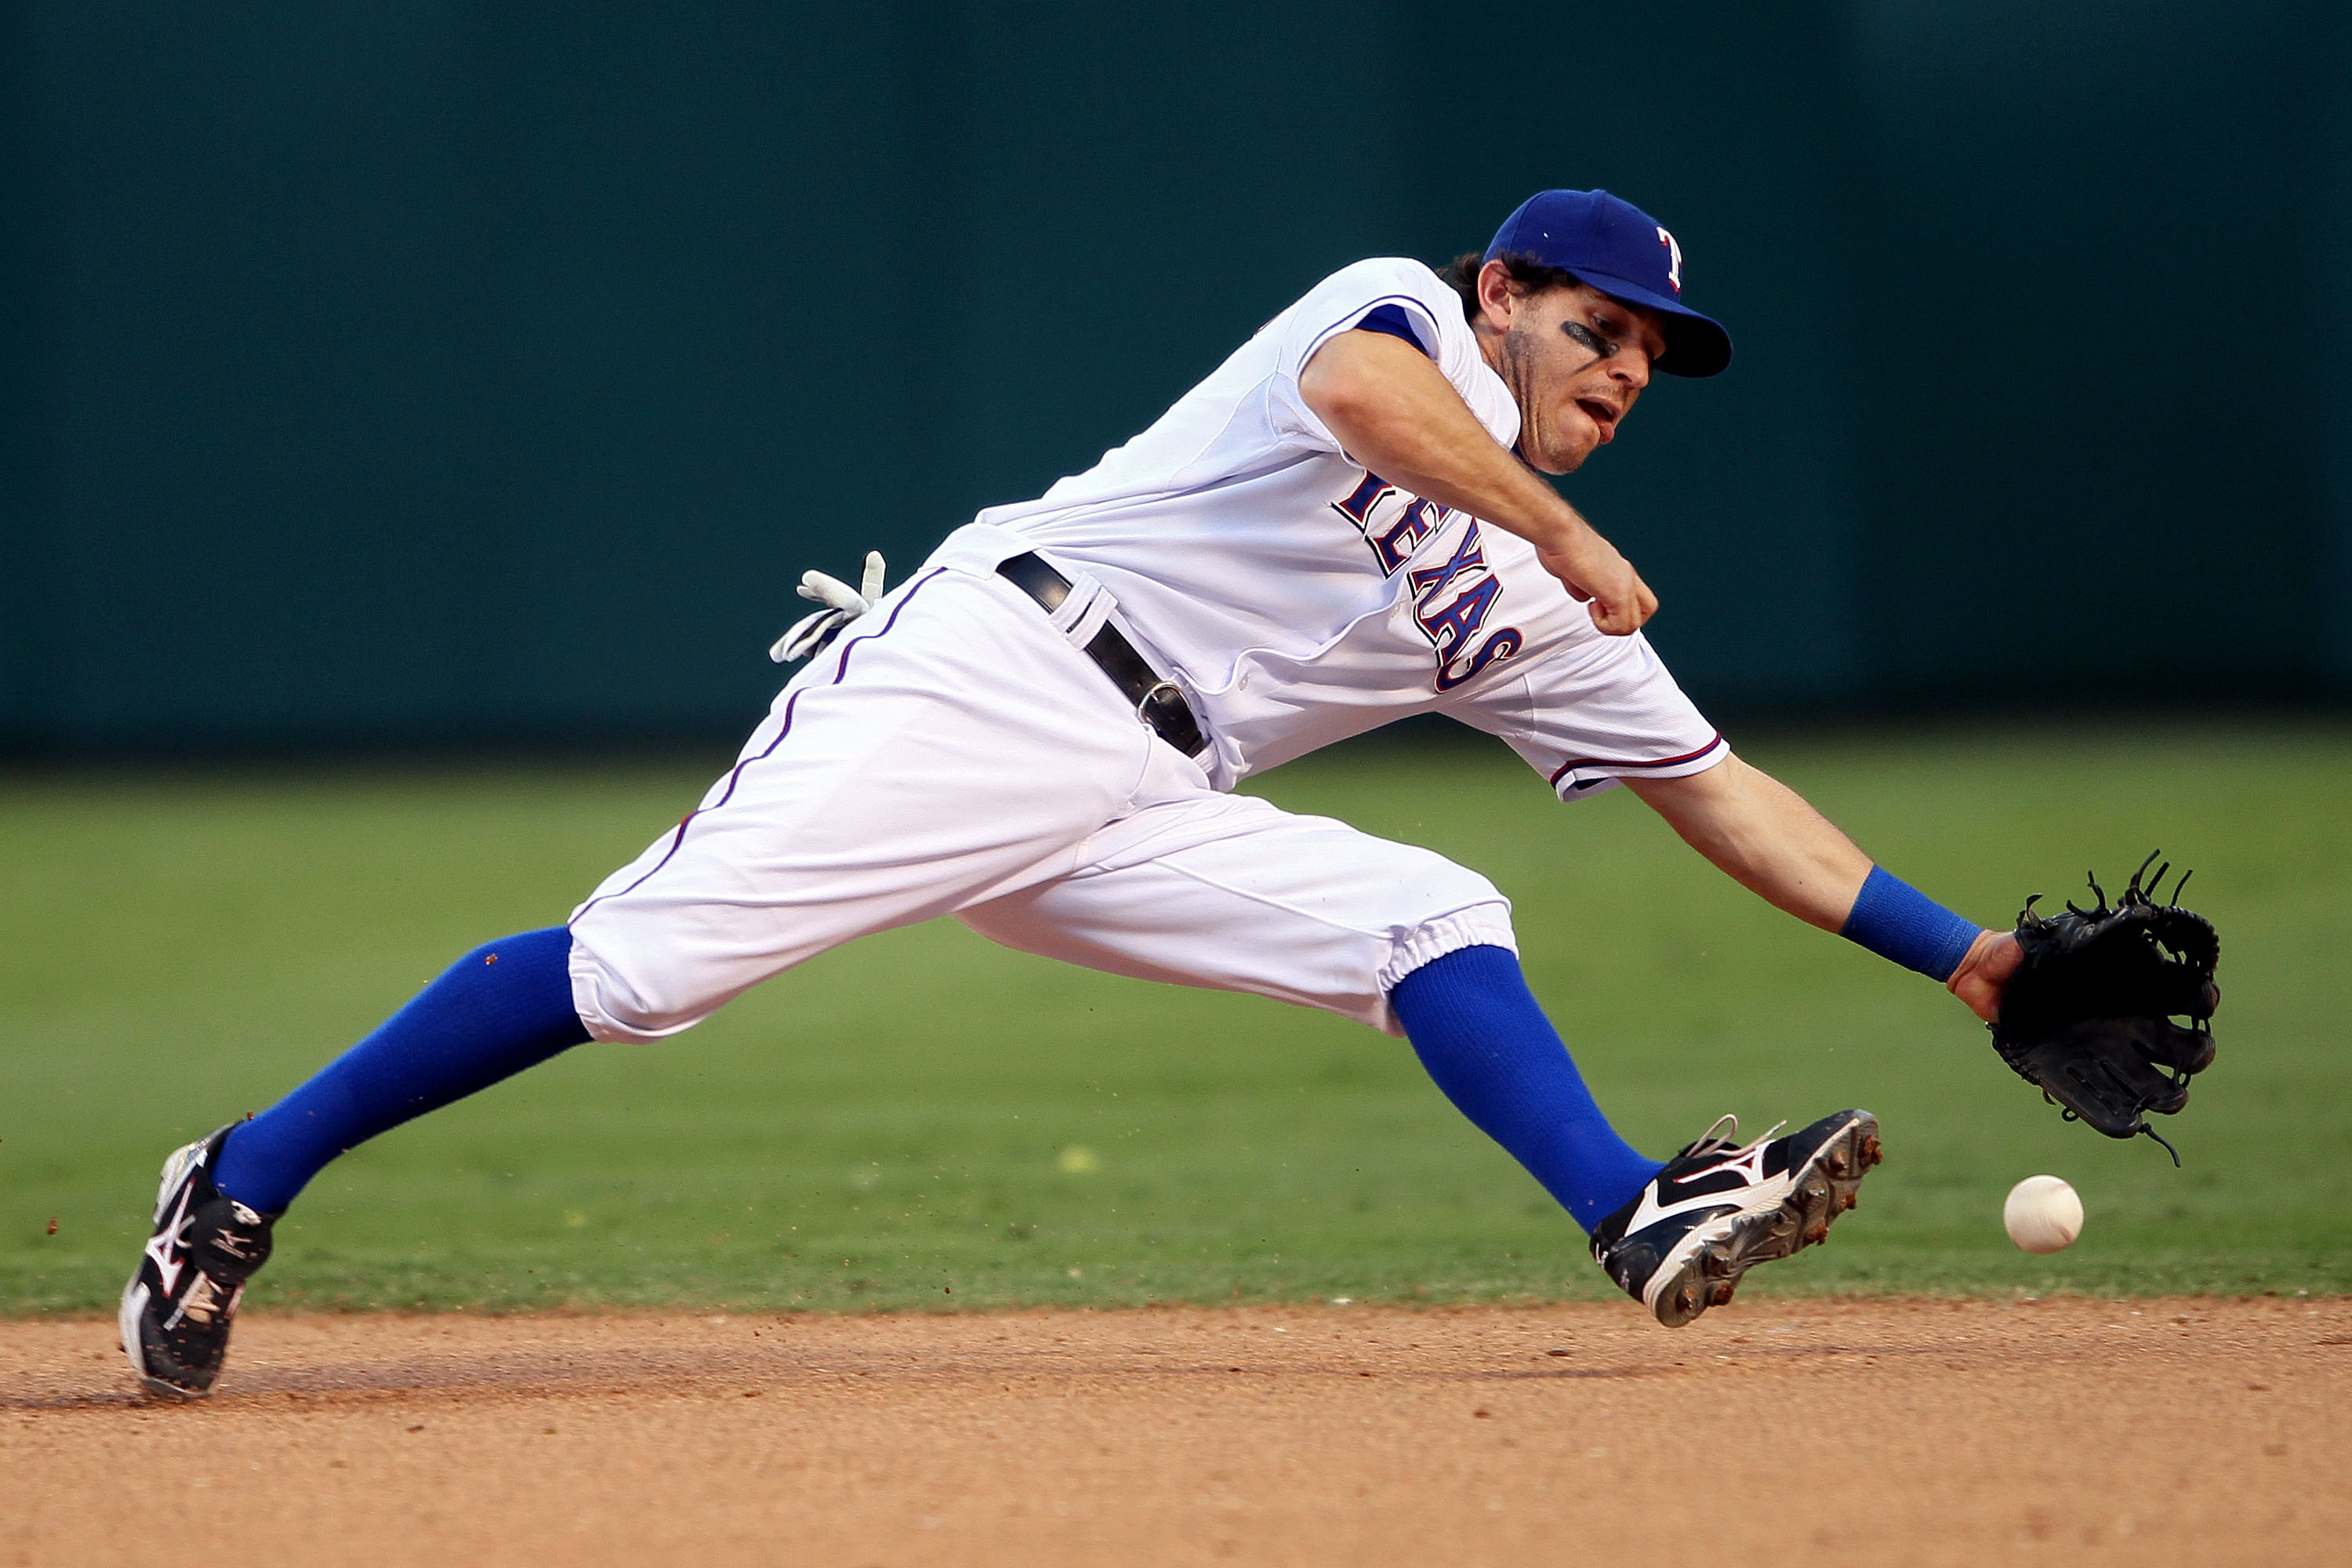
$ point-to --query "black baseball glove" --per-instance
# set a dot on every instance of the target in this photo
(2088, 1016)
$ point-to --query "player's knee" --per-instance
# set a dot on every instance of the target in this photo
(1450, 908)
(630, 1000)
(1485, 922)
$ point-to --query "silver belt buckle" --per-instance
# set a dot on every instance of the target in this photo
(1143, 703)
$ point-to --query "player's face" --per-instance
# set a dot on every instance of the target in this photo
(1575, 359)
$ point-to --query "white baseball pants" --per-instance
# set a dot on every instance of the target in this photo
(956, 752)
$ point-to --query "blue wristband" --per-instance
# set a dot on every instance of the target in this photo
(1897, 921)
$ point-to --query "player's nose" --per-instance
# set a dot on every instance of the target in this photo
(1631, 366)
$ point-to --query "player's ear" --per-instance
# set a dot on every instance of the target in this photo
(1495, 299)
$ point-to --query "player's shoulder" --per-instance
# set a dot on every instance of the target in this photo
(1384, 275)
(1343, 298)
(1406, 270)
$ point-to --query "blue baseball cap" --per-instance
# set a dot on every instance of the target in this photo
(1626, 253)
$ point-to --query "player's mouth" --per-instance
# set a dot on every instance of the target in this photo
(1603, 416)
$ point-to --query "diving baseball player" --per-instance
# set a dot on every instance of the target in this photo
(1039, 731)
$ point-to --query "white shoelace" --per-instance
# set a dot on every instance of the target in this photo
(1711, 1142)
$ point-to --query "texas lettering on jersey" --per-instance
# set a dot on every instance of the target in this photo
(1452, 601)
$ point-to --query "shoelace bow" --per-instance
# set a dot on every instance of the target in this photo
(1711, 1142)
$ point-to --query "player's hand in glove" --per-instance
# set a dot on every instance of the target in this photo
(2087, 1015)
(1991, 959)
(843, 604)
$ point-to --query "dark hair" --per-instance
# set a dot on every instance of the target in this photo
(1526, 276)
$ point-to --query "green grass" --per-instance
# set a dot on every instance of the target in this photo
(887, 1126)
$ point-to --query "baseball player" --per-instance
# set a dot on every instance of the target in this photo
(1038, 733)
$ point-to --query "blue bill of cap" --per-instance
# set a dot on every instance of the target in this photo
(1696, 344)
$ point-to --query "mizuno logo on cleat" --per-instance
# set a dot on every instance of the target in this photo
(168, 1248)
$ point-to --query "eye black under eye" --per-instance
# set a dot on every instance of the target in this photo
(1586, 338)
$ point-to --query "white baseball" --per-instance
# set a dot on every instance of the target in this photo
(2043, 1213)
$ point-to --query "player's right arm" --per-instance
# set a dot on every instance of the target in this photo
(1394, 411)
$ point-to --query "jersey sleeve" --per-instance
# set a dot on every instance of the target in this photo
(1594, 713)
(1393, 292)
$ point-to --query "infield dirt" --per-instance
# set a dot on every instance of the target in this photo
(1965, 1431)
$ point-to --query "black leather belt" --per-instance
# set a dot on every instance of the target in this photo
(1156, 701)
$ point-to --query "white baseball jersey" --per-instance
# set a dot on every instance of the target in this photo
(1299, 599)
(957, 753)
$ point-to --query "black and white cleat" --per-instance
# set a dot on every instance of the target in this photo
(1718, 1208)
(177, 1308)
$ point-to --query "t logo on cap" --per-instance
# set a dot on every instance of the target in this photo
(1674, 258)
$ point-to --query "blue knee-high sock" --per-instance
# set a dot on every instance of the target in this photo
(1478, 1031)
(500, 1009)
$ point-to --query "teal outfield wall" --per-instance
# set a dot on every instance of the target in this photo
(445, 372)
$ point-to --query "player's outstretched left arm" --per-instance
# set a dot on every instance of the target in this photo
(1767, 839)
